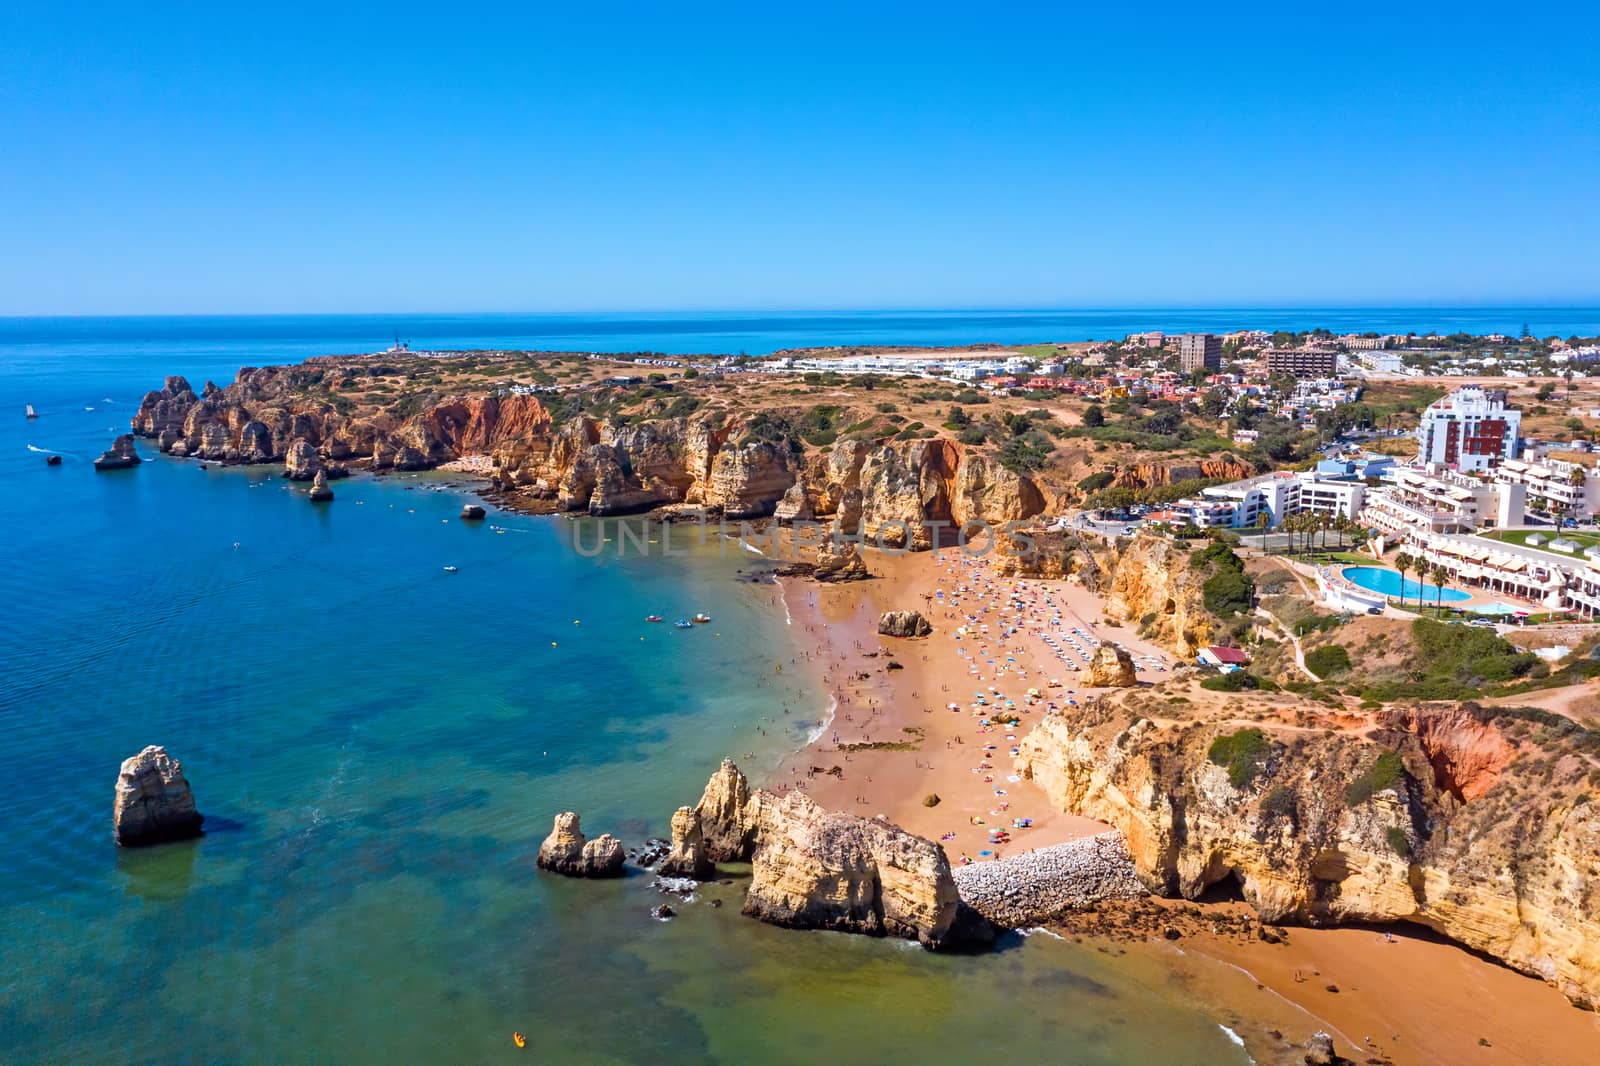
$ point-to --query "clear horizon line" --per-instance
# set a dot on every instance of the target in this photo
(1577, 305)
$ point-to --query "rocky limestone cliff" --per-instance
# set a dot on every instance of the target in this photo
(1153, 475)
(153, 802)
(729, 464)
(1319, 830)
(817, 869)
(565, 851)
(1152, 586)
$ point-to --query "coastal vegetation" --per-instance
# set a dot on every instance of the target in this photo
(1242, 754)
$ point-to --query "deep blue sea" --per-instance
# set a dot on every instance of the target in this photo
(380, 745)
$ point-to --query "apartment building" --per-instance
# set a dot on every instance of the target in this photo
(1556, 488)
(1199, 351)
(1303, 362)
(1471, 429)
(1440, 501)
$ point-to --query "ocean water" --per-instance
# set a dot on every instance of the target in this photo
(379, 746)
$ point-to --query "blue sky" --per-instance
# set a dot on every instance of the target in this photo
(259, 158)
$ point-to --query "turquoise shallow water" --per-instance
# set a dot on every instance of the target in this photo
(379, 747)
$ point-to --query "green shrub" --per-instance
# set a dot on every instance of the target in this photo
(1233, 681)
(1328, 660)
(1384, 773)
(1242, 753)
(1397, 840)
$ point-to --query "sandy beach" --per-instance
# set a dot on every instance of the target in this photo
(896, 740)
(895, 735)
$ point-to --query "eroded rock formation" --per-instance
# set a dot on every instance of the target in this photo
(1330, 826)
(1111, 667)
(566, 851)
(816, 869)
(153, 803)
(320, 492)
(903, 624)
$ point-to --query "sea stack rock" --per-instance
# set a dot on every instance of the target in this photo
(688, 855)
(54, 460)
(154, 803)
(121, 455)
(565, 851)
(301, 462)
(320, 492)
(903, 624)
(473, 512)
(1111, 667)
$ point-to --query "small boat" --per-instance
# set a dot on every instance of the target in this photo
(702, 618)
(654, 618)
(451, 569)
(681, 624)
(31, 412)
(519, 1039)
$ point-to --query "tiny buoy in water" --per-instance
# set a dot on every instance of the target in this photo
(519, 1039)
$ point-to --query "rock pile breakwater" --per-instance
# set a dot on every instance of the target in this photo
(1039, 886)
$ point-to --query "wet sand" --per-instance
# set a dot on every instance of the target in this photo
(1419, 999)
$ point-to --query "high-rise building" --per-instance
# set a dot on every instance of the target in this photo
(1470, 430)
(1200, 351)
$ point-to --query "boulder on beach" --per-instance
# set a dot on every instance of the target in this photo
(472, 512)
(1111, 667)
(839, 560)
(121, 455)
(903, 624)
(320, 492)
(154, 803)
(566, 851)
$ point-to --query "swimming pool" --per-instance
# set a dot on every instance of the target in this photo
(1389, 583)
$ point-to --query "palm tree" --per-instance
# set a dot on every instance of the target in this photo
(1402, 563)
(1441, 574)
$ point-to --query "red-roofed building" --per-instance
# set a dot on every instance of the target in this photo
(1224, 658)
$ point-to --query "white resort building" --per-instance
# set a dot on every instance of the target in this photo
(1471, 429)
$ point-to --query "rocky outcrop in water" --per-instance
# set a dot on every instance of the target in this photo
(566, 851)
(903, 624)
(689, 856)
(473, 512)
(153, 801)
(320, 492)
(120, 456)
(817, 869)
(1472, 821)
(1111, 667)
